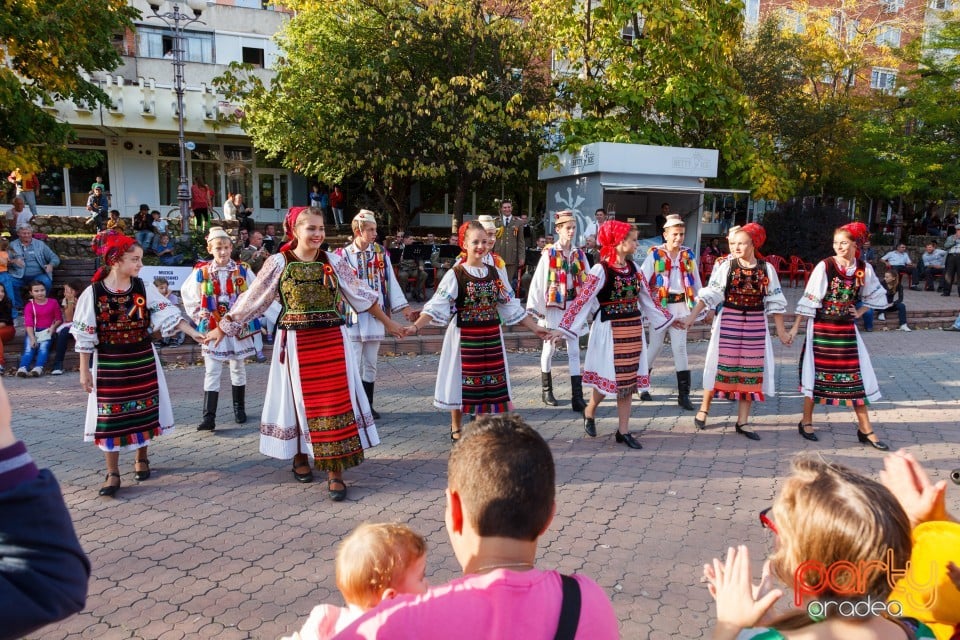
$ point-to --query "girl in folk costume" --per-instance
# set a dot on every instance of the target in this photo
(472, 376)
(560, 274)
(112, 326)
(314, 406)
(834, 364)
(670, 272)
(208, 294)
(739, 360)
(616, 361)
(371, 264)
(490, 258)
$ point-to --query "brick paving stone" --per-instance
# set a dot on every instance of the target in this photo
(221, 542)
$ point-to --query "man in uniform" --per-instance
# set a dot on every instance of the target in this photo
(671, 274)
(510, 244)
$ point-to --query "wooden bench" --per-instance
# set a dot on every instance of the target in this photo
(81, 269)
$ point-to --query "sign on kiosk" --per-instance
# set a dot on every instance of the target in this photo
(176, 276)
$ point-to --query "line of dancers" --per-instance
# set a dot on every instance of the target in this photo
(333, 309)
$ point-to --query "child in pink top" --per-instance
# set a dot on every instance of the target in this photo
(41, 317)
(375, 562)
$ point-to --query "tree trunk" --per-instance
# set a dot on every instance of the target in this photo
(460, 193)
(395, 197)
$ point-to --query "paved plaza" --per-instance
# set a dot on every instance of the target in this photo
(221, 542)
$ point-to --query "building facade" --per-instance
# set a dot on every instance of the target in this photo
(135, 137)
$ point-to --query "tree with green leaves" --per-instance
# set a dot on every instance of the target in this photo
(47, 47)
(659, 73)
(402, 91)
(807, 73)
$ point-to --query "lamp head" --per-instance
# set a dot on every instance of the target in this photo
(155, 5)
(197, 6)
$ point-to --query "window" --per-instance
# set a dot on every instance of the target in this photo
(940, 5)
(888, 36)
(253, 55)
(751, 11)
(154, 42)
(883, 79)
(792, 21)
(891, 6)
(633, 29)
(853, 27)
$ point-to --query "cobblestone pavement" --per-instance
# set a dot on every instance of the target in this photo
(222, 542)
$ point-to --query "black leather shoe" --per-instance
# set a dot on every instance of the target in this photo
(865, 439)
(751, 435)
(698, 423)
(807, 435)
(303, 477)
(140, 476)
(110, 490)
(646, 397)
(590, 426)
(628, 439)
(337, 495)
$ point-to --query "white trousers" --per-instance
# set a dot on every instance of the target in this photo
(365, 353)
(678, 339)
(211, 378)
(573, 356)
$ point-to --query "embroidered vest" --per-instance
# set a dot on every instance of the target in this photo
(309, 294)
(218, 298)
(746, 287)
(662, 267)
(843, 291)
(565, 275)
(372, 272)
(122, 318)
(477, 298)
(620, 294)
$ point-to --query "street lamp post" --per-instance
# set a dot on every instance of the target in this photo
(177, 21)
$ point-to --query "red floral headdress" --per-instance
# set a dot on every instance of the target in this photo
(289, 224)
(612, 233)
(110, 246)
(758, 235)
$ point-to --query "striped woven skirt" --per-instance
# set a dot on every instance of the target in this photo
(127, 396)
(742, 347)
(627, 347)
(837, 378)
(331, 421)
(483, 371)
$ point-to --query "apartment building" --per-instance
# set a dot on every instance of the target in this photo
(136, 138)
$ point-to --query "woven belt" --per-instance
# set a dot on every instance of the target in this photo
(676, 297)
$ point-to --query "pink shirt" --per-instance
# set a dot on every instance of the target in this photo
(41, 316)
(499, 604)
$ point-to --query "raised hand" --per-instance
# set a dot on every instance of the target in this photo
(740, 604)
(922, 500)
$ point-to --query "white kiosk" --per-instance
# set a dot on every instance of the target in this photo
(632, 182)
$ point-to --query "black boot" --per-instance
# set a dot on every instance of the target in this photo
(546, 387)
(576, 388)
(239, 410)
(209, 411)
(368, 389)
(683, 386)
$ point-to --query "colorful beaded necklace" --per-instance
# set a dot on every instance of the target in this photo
(662, 266)
(211, 290)
(565, 276)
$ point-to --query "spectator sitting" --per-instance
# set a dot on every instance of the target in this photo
(18, 215)
(41, 317)
(159, 225)
(166, 250)
(891, 282)
(270, 237)
(97, 206)
(868, 253)
(899, 260)
(254, 253)
(376, 562)
(62, 337)
(142, 226)
(825, 516)
(115, 222)
(932, 265)
(500, 499)
(7, 331)
(163, 286)
(30, 259)
(43, 569)
(6, 282)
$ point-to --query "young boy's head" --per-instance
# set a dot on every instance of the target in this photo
(155, 214)
(502, 475)
(38, 290)
(162, 286)
(219, 244)
(380, 561)
(114, 214)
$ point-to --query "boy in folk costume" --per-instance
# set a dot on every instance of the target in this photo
(560, 274)
(671, 274)
(372, 265)
(209, 293)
